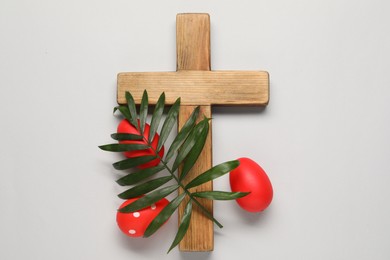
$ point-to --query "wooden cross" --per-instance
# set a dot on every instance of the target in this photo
(197, 85)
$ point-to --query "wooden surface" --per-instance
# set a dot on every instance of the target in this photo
(193, 41)
(200, 234)
(193, 53)
(198, 87)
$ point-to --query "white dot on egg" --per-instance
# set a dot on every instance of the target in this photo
(132, 232)
(136, 214)
(153, 206)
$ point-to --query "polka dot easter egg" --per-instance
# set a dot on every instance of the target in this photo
(134, 224)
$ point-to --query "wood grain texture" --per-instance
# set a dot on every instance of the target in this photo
(200, 234)
(193, 53)
(193, 41)
(198, 87)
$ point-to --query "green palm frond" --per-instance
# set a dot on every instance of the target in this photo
(185, 150)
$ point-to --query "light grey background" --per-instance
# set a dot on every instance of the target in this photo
(323, 139)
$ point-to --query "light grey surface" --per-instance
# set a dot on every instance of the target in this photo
(323, 139)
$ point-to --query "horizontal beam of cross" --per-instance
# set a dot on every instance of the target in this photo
(197, 87)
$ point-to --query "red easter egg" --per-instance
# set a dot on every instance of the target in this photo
(250, 177)
(127, 128)
(134, 224)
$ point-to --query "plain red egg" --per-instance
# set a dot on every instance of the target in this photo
(125, 127)
(134, 224)
(250, 177)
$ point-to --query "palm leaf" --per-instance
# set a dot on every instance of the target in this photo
(133, 162)
(183, 227)
(164, 215)
(140, 175)
(132, 109)
(219, 195)
(189, 143)
(156, 118)
(123, 137)
(213, 173)
(123, 147)
(124, 111)
(183, 133)
(195, 152)
(143, 111)
(149, 199)
(169, 122)
(144, 187)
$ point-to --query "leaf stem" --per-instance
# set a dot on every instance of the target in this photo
(205, 211)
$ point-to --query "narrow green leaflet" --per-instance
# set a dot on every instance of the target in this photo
(219, 195)
(164, 215)
(156, 118)
(169, 122)
(213, 173)
(140, 175)
(122, 137)
(144, 188)
(149, 199)
(132, 109)
(143, 111)
(183, 133)
(192, 138)
(184, 224)
(123, 147)
(195, 152)
(124, 111)
(133, 162)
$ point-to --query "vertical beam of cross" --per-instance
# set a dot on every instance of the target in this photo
(193, 53)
